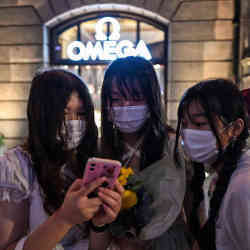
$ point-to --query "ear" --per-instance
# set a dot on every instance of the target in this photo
(238, 127)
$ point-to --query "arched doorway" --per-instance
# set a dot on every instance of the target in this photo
(87, 40)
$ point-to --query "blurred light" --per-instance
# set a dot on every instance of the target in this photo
(157, 66)
(98, 118)
(91, 89)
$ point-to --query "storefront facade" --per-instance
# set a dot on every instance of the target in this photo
(187, 41)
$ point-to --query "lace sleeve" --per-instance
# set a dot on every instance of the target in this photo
(15, 176)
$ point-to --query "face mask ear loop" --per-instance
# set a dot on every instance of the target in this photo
(115, 130)
(115, 136)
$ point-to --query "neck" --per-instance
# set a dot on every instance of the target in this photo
(218, 166)
(130, 138)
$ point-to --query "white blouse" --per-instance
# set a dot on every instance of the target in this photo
(17, 183)
(233, 225)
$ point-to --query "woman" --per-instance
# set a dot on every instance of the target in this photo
(40, 208)
(134, 132)
(212, 124)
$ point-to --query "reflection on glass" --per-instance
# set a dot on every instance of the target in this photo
(64, 40)
(151, 34)
(87, 31)
(159, 69)
(93, 77)
(128, 29)
(154, 38)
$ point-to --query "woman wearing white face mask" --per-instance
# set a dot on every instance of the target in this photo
(43, 203)
(212, 125)
(134, 132)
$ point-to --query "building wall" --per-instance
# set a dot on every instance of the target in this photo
(201, 46)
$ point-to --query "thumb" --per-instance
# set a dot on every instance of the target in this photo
(76, 185)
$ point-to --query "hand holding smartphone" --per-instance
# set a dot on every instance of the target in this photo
(99, 167)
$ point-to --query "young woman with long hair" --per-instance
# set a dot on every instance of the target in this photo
(134, 132)
(43, 203)
(212, 125)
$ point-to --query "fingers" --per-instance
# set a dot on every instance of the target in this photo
(110, 193)
(89, 207)
(110, 212)
(111, 199)
(75, 186)
(92, 186)
(119, 188)
(94, 202)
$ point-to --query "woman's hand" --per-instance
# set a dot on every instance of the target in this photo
(111, 203)
(77, 207)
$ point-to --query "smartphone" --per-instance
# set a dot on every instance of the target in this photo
(99, 167)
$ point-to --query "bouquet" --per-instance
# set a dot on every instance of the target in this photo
(136, 210)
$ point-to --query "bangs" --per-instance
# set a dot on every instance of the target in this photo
(130, 88)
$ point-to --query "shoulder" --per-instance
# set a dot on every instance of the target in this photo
(238, 191)
(16, 175)
(240, 180)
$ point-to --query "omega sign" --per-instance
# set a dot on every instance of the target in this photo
(105, 49)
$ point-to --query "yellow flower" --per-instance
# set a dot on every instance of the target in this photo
(130, 171)
(129, 199)
(123, 180)
(126, 171)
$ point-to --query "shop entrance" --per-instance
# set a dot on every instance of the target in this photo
(86, 45)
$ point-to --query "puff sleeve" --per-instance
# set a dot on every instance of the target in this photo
(15, 176)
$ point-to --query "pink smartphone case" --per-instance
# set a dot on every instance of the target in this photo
(99, 167)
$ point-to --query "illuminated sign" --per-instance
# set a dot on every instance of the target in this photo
(105, 49)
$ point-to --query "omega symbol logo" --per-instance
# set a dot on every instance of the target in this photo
(114, 36)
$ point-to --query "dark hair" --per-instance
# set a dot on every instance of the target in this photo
(131, 74)
(49, 95)
(219, 98)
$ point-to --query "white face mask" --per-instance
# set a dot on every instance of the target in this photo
(200, 145)
(75, 131)
(129, 119)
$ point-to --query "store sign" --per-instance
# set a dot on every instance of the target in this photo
(105, 49)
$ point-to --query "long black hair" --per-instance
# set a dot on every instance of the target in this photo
(131, 74)
(49, 95)
(219, 98)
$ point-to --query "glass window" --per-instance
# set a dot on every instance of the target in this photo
(64, 40)
(154, 38)
(160, 72)
(128, 29)
(87, 31)
(92, 68)
(73, 68)
(93, 76)
(150, 34)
